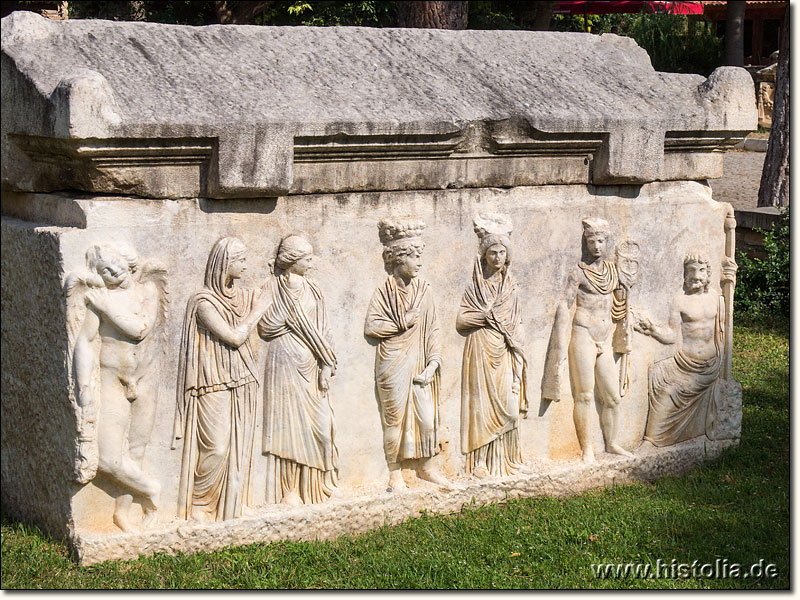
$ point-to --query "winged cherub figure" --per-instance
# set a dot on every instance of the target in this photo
(115, 312)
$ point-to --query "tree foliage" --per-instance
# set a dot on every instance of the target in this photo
(762, 288)
(675, 43)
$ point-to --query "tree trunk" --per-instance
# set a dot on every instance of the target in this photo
(734, 33)
(544, 14)
(774, 189)
(241, 12)
(432, 15)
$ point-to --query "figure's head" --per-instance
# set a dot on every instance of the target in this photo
(696, 273)
(404, 258)
(402, 246)
(494, 233)
(113, 264)
(237, 260)
(227, 262)
(596, 236)
(295, 254)
(496, 256)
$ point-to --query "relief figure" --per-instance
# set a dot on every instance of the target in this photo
(298, 434)
(683, 389)
(402, 318)
(493, 381)
(115, 313)
(599, 290)
(217, 389)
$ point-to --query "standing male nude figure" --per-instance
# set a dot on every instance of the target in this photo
(599, 295)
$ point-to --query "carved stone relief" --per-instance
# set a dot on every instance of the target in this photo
(683, 389)
(766, 101)
(298, 434)
(765, 94)
(493, 372)
(627, 253)
(599, 289)
(116, 312)
(402, 318)
(217, 389)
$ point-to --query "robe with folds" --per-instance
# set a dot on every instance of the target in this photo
(493, 359)
(298, 433)
(216, 400)
(684, 394)
(409, 411)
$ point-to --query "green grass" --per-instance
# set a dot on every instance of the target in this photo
(734, 508)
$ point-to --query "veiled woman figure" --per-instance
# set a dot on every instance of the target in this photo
(217, 389)
(494, 366)
(298, 435)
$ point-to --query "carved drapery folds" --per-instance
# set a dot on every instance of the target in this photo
(217, 389)
(688, 393)
(117, 313)
(298, 434)
(493, 371)
(402, 318)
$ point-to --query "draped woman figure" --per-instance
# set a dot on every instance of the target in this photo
(298, 434)
(493, 370)
(217, 389)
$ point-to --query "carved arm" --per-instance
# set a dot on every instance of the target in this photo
(232, 336)
(666, 335)
(83, 358)
(133, 325)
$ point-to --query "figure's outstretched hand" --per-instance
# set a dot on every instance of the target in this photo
(643, 325)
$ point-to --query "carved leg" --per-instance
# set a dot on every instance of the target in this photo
(582, 356)
(581, 416)
(141, 428)
(114, 459)
(429, 471)
(396, 481)
(608, 390)
(290, 483)
(121, 518)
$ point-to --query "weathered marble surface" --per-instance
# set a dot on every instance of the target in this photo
(138, 135)
(219, 111)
